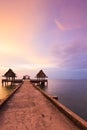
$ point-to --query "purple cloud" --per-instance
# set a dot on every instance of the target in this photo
(72, 55)
(72, 15)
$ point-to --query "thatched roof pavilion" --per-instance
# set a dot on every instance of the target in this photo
(10, 74)
(41, 75)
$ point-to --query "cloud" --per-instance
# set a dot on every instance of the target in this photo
(59, 25)
(72, 15)
(62, 25)
(72, 55)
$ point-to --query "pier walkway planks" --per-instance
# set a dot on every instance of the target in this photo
(28, 109)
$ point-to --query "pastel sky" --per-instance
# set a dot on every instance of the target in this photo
(44, 34)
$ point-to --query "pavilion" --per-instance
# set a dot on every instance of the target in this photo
(41, 76)
(9, 77)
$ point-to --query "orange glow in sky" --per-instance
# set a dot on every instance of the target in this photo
(37, 34)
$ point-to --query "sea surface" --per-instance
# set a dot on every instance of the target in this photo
(4, 91)
(72, 93)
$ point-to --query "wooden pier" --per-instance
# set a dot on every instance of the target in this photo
(10, 77)
(5, 82)
(30, 109)
(37, 82)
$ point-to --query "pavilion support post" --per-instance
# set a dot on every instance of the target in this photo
(47, 83)
(2, 84)
(5, 84)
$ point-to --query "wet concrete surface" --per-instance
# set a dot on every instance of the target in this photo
(28, 109)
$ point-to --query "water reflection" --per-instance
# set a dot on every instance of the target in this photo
(5, 91)
(43, 87)
(72, 93)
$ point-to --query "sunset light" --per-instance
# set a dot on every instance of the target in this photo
(44, 34)
(43, 64)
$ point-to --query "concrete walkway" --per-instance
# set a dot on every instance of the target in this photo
(28, 109)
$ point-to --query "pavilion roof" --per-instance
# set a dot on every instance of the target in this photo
(41, 74)
(10, 73)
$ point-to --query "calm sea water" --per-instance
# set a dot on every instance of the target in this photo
(4, 91)
(72, 93)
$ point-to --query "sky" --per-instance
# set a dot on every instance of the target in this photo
(44, 34)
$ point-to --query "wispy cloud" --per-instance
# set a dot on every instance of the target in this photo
(64, 26)
(59, 25)
(71, 16)
(71, 55)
